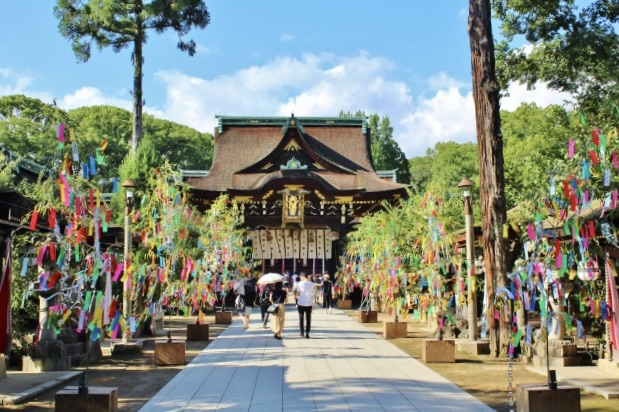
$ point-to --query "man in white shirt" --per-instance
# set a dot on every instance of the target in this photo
(304, 292)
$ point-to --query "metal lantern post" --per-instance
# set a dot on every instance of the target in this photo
(129, 186)
(465, 185)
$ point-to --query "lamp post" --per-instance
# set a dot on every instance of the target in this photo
(465, 185)
(129, 185)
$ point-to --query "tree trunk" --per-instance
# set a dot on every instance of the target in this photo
(138, 62)
(490, 153)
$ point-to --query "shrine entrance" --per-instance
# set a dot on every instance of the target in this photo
(301, 184)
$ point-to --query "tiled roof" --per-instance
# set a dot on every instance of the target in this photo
(239, 146)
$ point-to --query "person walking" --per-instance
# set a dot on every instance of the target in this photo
(249, 288)
(327, 293)
(278, 297)
(304, 293)
(264, 302)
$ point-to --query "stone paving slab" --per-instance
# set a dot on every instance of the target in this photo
(342, 367)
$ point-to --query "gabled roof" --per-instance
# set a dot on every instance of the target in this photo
(249, 152)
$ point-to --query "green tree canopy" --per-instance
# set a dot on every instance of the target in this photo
(575, 48)
(183, 147)
(535, 140)
(421, 172)
(28, 127)
(386, 152)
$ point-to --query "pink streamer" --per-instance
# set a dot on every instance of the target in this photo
(119, 270)
(115, 331)
(42, 251)
(614, 301)
(570, 149)
(531, 231)
(61, 132)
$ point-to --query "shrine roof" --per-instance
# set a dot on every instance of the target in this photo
(244, 144)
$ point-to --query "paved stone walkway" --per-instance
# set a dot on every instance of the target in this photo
(342, 367)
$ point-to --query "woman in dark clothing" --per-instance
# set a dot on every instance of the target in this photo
(327, 293)
(264, 302)
(249, 286)
(278, 297)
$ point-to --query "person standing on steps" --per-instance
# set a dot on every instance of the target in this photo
(304, 293)
(278, 297)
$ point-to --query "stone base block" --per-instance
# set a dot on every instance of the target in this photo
(538, 398)
(564, 351)
(197, 331)
(223, 318)
(98, 399)
(2, 366)
(127, 348)
(557, 362)
(344, 304)
(157, 319)
(609, 366)
(393, 330)
(30, 364)
(438, 351)
(473, 347)
(368, 317)
(169, 353)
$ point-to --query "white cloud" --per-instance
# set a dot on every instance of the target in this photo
(443, 81)
(91, 96)
(323, 85)
(541, 95)
(311, 85)
(12, 82)
(449, 115)
(286, 37)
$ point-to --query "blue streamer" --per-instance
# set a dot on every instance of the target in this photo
(24, 267)
(580, 331)
(93, 166)
(607, 177)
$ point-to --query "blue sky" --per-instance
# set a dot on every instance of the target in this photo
(405, 59)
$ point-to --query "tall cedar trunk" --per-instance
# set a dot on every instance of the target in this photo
(138, 61)
(490, 153)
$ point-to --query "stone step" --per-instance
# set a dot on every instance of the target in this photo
(609, 366)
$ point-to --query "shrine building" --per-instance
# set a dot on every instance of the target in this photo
(301, 184)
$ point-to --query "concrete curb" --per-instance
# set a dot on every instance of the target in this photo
(21, 397)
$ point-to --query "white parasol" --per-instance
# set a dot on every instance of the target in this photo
(270, 278)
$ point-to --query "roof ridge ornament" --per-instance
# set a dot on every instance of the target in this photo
(293, 164)
(292, 122)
